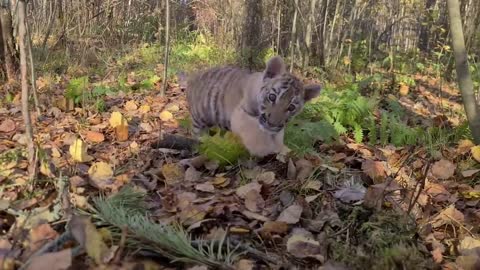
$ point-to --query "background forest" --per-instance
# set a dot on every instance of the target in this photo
(383, 168)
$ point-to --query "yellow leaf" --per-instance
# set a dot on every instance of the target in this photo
(87, 235)
(144, 108)
(46, 168)
(173, 173)
(464, 146)
(131, 106)
(122, 132)
(100, 173)
(476, 152)
(78, 151)
(117, 119)
(472, 195)
(166, 116)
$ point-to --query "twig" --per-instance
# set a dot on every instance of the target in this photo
(121, 245)
(422, 186)
(32, 72)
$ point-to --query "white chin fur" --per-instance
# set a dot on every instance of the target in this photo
(267, 130)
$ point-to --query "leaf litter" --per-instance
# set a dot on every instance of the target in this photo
(312, 210)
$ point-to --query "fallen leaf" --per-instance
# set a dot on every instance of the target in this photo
(41, 234)
(47, 168)
(470, 173)
(89, 238)
(205, 187)
(254, 201)
(117, 119)
(94, 136)
(301, 244)
(476, 152)
(166, 116)
(243, 190)
(244, 264)
(266, 178)
(291, 215)
(192, 175)
(7, 125)
(130, 105)
(443, 169)
(191, 214)
(469, 246)
(350, 194)
(255, 216)
(144, 109)
(274, 227)
(60, 260)
(134, 147)
(101, 174)
(184, 199)
(78, 151)
(314, 184)
(172, 107)
(464, 146)
(121, 131)
(304, 169)
(221, 181)
(375, 170)
(449, 215)
(147, 127)
(312, 198)
(173, 173)
(291, 170)
(471, 195)
(239, 230)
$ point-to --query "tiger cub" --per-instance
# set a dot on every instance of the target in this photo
(255, 106)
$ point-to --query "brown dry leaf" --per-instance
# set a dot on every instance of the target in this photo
(403, 89)
(40, 234)
(147, 127)
(252, 215)
(304, 169)
(314, 184)
(375, 170)
(117, 119)
(78, 151)
(470, 173)
(244, 264)
(443, 169)
(100, 174)
(121, 131)
(292, 170)
(7, 125)
(254, 201)
(184, 199)
(205, 187)
(94, 136)
(274, 227)
(464, 146)
(89, 238)
(243, 190)
(266, 178)
(476, 152)
(131, 106)
(338, 156)
(449, 215)
(60, 260)
(144, 109)
(192, 175)
(221, 181)
(302, 244)
(166, 116)
(291, 215)
(173, 173)
(191, 214)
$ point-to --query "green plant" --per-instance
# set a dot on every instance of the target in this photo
(76, 88)
(301, 135)
(226, 148)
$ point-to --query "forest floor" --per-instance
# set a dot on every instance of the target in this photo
(349, 206)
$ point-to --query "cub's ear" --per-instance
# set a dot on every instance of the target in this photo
(275, 67)
(311, 91)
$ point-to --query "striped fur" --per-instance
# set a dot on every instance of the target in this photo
(259, 103)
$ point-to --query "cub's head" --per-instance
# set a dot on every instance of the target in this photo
(282, 96)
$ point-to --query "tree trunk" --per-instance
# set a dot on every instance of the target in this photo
(167, 46)
(10, 55)
(308, 32)
(251, 45)
(23, 71)
(461, 64)
(293, 36)
(426, 22)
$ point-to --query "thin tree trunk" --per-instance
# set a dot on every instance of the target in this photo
(23, 71)
(293, 36)
(461, 64)
(32, 72)
(167, 47)
(9, 53)
(308, 31)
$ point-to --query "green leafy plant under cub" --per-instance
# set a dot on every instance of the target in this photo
(225, 148)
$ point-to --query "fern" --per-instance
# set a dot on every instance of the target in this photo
(372, 132)
(384, 136)
(358, 133)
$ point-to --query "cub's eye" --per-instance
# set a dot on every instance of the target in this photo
(272, 97)
(291, 108)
